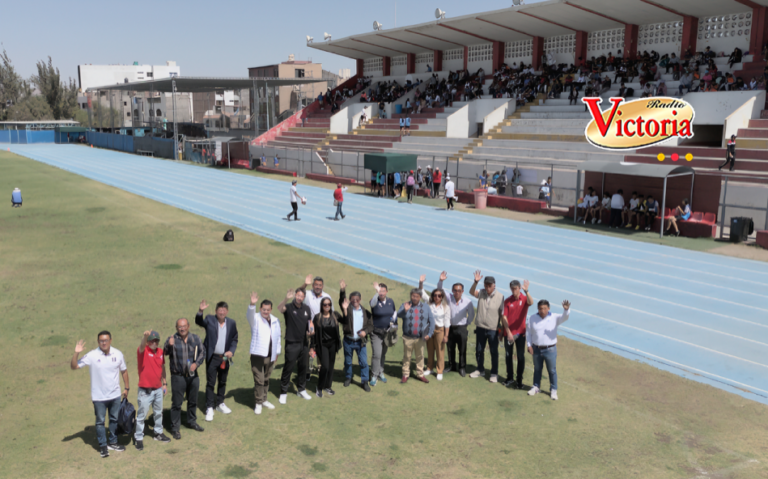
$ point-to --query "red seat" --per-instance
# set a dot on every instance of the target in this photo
(709, 218)
(667, 213)
(697, 217)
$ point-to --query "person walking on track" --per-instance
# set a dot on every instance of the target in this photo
(338, 199)
(295, 198)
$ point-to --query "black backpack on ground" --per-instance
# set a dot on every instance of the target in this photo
(126, 418)
(229, 235)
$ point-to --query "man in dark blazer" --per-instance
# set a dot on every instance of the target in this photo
(357, 325)
(220, 345)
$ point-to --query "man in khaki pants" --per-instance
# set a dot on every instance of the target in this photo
(418, 327)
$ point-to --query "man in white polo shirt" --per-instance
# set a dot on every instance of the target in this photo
(314, 297)
(541, 331)
(107, 365)
(265, 348)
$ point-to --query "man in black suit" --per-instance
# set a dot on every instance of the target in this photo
(220, 345)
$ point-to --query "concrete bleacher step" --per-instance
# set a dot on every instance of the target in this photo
(397, 132)
(574, 115)
(308, 130)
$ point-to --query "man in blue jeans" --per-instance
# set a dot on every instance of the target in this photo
(357, 325)
(541, 331)
(490, 311)
(152, 388)
(106, 366)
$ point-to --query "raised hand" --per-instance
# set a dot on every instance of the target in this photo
(478, 276)
(443, 276)
(407, 305)
(566, 305)
(342, 284)
(146, 334)
(80, 346)
(345, 304)
(526, 285)
(171, 341)
(422, 278)
(254, 298)
(376, 287)
(308, 280)
(203, 305)
(290, 294)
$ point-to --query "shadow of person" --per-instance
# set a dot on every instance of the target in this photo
(242, 396)
(87, 435)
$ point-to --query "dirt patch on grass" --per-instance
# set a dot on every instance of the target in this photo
(663, 438)
(744, 251)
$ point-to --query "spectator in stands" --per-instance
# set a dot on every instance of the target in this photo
(428, 180)
(681, 213)
(708, 53)
(661, 89)
(686, 82)
(483, 179)
(338, 198)
(730, 154)
(419, 177)
(402, 126)
(573, 96)
(263, 160)
(651, 211)
(407, 106)
(673, 63)
(735, 57)
(277, 161)
(409, 185)
(407, 124)
(597, 210)
(617, 206)
(631, 210)
(589, 201)
(320, 100)
(647, 90)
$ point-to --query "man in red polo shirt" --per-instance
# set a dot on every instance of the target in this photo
(515, 314)
(152, 387)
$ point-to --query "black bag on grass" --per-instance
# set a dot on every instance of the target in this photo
(126, 418)
(229, 235)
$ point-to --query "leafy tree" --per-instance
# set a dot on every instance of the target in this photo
(13, 88)
(29, 109)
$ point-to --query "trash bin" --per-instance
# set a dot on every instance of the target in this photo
(741, 228)
(481, 198)
(398, 109)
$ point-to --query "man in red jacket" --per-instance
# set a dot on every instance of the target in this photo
(437, 179)
(338, 199)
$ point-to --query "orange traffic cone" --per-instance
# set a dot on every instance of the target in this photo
(91, 146)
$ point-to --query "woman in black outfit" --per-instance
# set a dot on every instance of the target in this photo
(325, 343)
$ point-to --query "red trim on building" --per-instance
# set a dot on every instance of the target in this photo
(386, 63)
(537, 52)
(690, 32)
(630, 40)
(437, 58)
(498, 55)
(581, 48)
(466, 57)
(410, 63)
(360, 64)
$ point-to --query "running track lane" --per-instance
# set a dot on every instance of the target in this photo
(698, 315)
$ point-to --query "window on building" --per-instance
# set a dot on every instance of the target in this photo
(136, 113)
(299, 73)
(128, 114)
(275, 74)
(125, 103)
(150, 74)
(159, 113)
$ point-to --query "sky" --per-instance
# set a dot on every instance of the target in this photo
(220, 39)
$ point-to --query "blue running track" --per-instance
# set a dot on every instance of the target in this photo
(699, 315)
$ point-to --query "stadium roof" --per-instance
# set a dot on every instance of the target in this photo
(544, 19)
(200, 84)
(635, 169)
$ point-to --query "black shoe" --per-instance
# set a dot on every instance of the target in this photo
(319, 393)
(116, 447)
(309, 376)
(519, 384)
(462, 372)
(103, 451)
(447, 370)
(343, 216)
(335, 219)
(366, 387)
(330, 392)
(176, 435)
(297, 219)
(162, 438)
(139, 445)
(347, 382)
(288, 218)
(197, 427)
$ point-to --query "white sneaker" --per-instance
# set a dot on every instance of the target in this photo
(599, 221)
(305, 395)
(476, 374)
(439, 377)
(283, 398)
(222, 408)
(427, 372)
(257, 409)
(553, 394)
(494, 378)
(268, 405)
(534, 391)
(209, 414)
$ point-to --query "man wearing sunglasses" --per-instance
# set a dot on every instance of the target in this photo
(462, 315)
(152, 387)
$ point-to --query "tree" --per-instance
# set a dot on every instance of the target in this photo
(13, 88)
(30, 109)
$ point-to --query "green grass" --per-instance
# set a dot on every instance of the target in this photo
(80, 257)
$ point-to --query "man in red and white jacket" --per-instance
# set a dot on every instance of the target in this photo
(515, 315)
(338, 199)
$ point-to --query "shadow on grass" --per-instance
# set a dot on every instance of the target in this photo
(88, 436)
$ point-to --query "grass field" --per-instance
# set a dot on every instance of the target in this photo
(81, 256)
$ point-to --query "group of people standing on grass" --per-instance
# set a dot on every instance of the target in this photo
(315, 330)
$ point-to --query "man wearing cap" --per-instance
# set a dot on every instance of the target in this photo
(220, 345)
(410, 182)
(295, 198)
(490, 311)
(338, 198)
(185, 354)
(449, 192)
(152, 387)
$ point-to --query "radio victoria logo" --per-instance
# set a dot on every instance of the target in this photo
(630, 125)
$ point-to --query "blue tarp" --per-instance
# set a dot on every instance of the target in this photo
(110, 141)
(27, 136)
